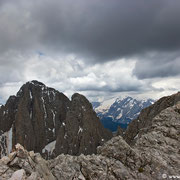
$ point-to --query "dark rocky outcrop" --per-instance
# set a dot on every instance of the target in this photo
(139, 126)
(81, 131)
(119, 131)
(36, 116)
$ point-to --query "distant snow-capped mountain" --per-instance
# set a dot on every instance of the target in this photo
(120, 111)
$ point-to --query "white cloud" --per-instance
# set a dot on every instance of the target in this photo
(69, 74)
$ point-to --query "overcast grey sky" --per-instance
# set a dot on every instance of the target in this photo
(100, 48)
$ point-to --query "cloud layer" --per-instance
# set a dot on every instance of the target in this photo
(97, 47)
(101, 29)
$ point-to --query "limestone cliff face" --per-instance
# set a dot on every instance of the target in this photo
(36, 116)
(139, 126)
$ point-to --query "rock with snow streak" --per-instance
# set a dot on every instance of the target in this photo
(38, 116)
(33, 116)
(82, 130)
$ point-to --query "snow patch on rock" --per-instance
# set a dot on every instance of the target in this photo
(80, 129)
(6, 142)
(49, 147)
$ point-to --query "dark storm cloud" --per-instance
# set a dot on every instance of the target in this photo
(2, 2)
(96, 29)
(158, 65)
(110, 29)
(109, 88)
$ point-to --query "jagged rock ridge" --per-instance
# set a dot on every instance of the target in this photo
(155, 155)
(82, 130)
(138, 126)
(40, 119)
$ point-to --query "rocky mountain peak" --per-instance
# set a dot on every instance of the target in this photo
(36, 83)
(82, 131)
(35, 87)
(81, 101)
(36, 116)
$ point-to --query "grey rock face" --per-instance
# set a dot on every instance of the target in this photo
(161, 141)
(24, 165)
(81, 131)
(154, 156)
(144, 120)
(45, 120)
(33, 116)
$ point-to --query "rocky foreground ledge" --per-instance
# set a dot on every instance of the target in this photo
(155, 155)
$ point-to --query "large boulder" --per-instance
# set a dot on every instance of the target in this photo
(24, 165)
